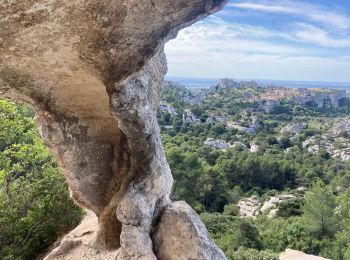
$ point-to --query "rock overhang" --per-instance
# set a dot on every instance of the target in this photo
(93, 71)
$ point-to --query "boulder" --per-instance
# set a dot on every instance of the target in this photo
(249, 207)
(180, 234)
(290, 254)
(254, 148)
(272, 203)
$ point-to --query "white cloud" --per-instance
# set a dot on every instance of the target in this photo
(265, 8)
(311, 34)
(316, 13)
(299, 51)
(218, 36)
(227, 64)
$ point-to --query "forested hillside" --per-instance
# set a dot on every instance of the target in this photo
(265, 174)
(34, 202)
(238, 150)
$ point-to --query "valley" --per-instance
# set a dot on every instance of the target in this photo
(250, 159)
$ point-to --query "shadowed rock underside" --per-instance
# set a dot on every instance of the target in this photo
(93, 71)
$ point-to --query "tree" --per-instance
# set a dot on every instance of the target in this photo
(290, 208)
(341, 247)
(241, 233)
(34, 200)
(319, 211)
(244, 253)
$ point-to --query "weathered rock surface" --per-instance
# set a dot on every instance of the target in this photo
(248, 207)
(273, 202)
(93, 72)
(253, 206)
(78, 244)
(180, 234)
(320, 97)
(290, 254)
(295, 128)
(341, 126)
(190, 118)
(218, 144)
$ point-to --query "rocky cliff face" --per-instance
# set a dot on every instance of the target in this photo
(93, 71)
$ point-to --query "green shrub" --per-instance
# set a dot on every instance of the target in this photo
(243, 253)
(290, 208)
(34, 201)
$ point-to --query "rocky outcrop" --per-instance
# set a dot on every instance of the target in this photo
(272, 203)
(269, 105)
(249, 207)
(93, 71)
(181, 234)
(291, 129)
(341, 126)
(189, 118)
(290, 254)
(254, 148)
(165, 107)
(79, 243)
(253, 206)
(227, 83)
(218, 144)
(321, 97)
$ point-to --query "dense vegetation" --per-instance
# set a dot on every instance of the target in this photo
(35, 207)
(213, 180)
(34, 202)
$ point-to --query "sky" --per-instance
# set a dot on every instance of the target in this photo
(304, 40)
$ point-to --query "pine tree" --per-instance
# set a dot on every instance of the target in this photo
(319, 211)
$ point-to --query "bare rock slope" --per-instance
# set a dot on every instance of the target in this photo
(93, 72)
(290, 254)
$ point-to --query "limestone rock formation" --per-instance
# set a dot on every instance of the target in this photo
(290, 254)
(249, 207)
(180, 234)
(254, 206)
(340, 126)
(93, 72)
(78, 244)
(293, 129)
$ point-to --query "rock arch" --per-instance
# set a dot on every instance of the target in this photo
(93, 72)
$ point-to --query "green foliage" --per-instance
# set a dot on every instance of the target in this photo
(214, 180)
(319, 211)
(231, 209)
(231, 232)
(34, 200)
(243, 253)
(241, 233)
(290, 208)
(217, 224)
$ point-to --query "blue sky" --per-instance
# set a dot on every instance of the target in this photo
(268, 39)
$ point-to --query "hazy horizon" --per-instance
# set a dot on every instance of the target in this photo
(197, 83)
(171, 77)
